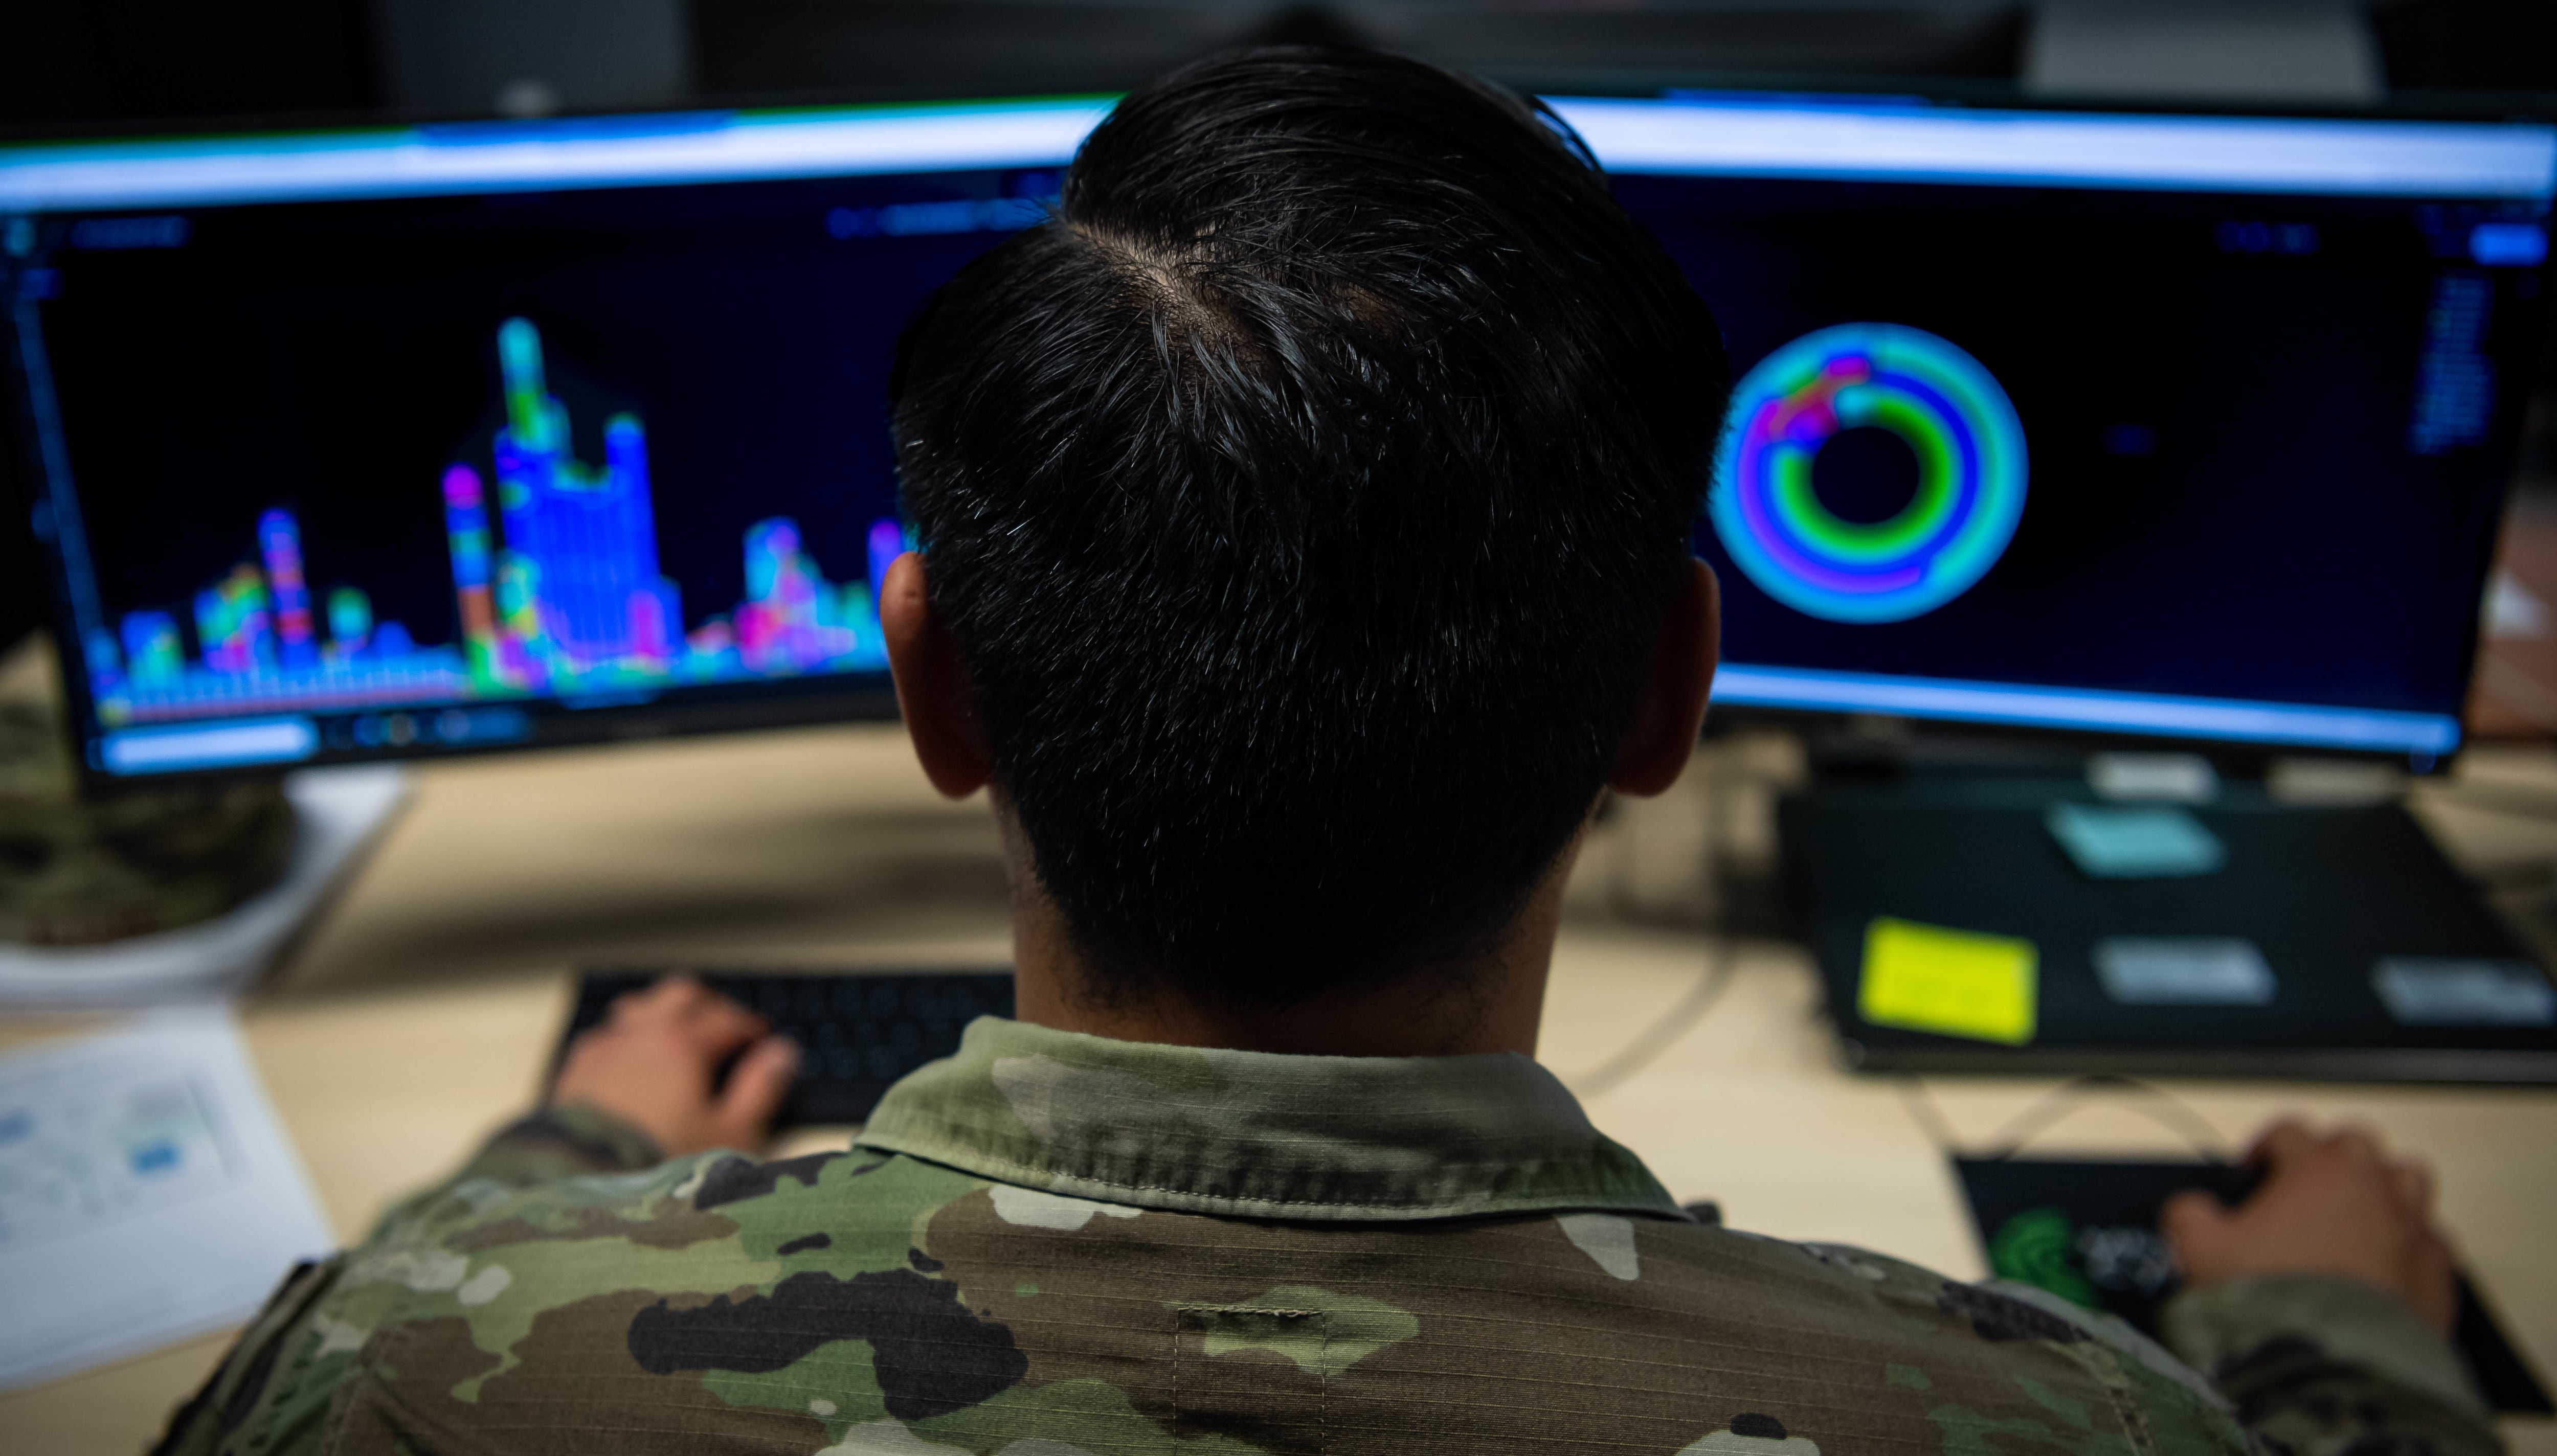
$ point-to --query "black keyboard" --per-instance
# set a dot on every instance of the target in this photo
(857, 1032)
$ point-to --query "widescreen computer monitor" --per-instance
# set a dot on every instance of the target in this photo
(2181, 427)
(446, 438)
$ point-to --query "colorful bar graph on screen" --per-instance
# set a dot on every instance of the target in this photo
(351, 621)
(558, 590)
(231, 624)
(152, 651)
(279, 539)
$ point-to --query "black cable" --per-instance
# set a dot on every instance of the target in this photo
(2160, 1107)
(1923, 1110)
(1719, 956)
(1676, 1023)
(2156, 1104)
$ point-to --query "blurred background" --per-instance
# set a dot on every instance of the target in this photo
(76, 62)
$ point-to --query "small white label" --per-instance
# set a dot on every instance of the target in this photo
(2189, 971)
(2175, 778)
(2423, 990)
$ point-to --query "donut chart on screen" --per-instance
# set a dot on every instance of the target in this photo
(1940, 402)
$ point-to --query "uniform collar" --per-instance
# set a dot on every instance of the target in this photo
(1257, 1134)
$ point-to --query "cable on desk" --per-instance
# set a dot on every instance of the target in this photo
(1721, 958)
(2155, 1103)
(1690, 1009)
(2158, 1104)
(1714, 779)
(1929, 1119)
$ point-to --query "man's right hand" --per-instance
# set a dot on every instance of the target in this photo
(655, 1060)
(2330, 1204)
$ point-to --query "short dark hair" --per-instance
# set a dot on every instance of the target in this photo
(1305, 497)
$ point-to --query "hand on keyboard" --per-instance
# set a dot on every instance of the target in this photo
(856, 1031)
(655, 1062)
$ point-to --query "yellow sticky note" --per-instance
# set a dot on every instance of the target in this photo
(1954, 983)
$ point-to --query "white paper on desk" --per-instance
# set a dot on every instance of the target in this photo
(147, 1193)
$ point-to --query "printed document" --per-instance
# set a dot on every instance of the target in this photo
(147, 1193)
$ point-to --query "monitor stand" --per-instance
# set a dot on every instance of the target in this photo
(2325, 894)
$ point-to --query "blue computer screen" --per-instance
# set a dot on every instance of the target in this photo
(2158, 425)
(425, 439)
(346, 461)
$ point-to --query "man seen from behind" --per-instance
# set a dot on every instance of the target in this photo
(1305, 510)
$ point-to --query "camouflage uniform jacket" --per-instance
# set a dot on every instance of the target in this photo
(1054, 1244)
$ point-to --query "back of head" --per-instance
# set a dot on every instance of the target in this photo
(1305, 497)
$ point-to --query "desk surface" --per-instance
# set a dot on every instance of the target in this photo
(420, 1013)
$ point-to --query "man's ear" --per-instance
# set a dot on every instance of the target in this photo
(932, 687)
(1672, 710)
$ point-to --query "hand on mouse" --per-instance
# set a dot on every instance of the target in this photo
(2330, 1204)
(654, 1061)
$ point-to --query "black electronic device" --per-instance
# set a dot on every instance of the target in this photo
(2212, 453)
(473, 437)
(858, 1030)
(2087, 1229)
(483, 436)
(2295, 954)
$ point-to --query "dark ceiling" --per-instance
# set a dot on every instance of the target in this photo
(84, 63)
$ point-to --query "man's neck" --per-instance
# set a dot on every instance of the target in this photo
(1491, 1004)
(1434, 1016)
